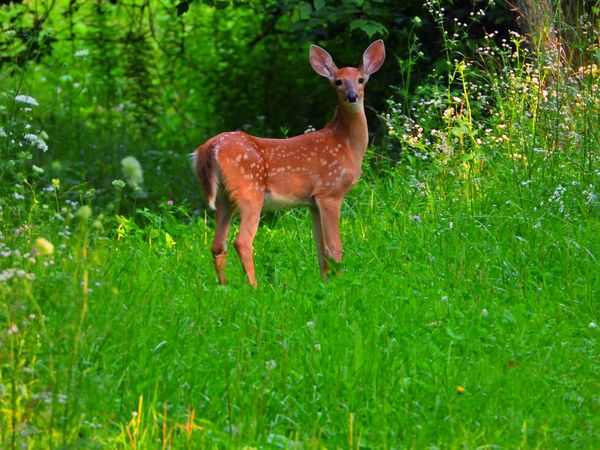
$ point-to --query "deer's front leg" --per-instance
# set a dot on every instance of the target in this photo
(318, 232)
(329, 210)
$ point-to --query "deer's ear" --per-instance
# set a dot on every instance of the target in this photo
(373, 57)
(322, 62)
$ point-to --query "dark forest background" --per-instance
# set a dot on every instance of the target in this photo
(154, 79)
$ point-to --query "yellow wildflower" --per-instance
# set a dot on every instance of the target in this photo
(43, 246)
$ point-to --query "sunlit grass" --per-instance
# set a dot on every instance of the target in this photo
(125, 339)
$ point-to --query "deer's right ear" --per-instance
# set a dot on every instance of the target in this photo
(322, 62)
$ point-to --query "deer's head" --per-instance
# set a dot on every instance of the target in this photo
(349, 82)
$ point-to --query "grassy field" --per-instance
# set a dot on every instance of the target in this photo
(466, 316)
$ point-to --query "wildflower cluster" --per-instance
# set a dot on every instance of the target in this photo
(36, 141)
(21, 264)
(557, 198)
(23, 139)
(505, 101)
(567, 198)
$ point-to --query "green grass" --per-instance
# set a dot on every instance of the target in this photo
(485, 289)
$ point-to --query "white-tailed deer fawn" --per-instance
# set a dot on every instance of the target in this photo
(249, 174)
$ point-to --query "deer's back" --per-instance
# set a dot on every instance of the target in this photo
(286, 172)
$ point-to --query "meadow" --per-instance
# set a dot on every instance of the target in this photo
(465, 315)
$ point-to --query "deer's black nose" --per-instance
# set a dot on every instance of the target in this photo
(351, 97)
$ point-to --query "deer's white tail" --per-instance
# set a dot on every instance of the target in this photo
(205, 165)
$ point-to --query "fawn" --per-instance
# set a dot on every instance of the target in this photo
(248, 173)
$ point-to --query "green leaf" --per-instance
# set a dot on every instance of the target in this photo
(221, 4)
(358, 346)
(319, 4)
(304, 10)
(453, 335)
(370, 27)
(460, 130)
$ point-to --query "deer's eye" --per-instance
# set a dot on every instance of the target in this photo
(338, 82)
(361, 80)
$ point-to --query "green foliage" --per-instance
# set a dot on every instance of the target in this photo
(312, 19)
(137, 78)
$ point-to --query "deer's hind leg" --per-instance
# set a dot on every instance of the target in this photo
(243, 173)
(244, 242)
(224, 212)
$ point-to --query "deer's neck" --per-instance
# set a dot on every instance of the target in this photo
(350, 124)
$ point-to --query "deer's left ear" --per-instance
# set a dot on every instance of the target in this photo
(373, 58)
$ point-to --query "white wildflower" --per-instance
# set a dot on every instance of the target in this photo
(132, 172)
(36, 141)
(118, 184)
(7, 274)
(271, 364)
(28, 100)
